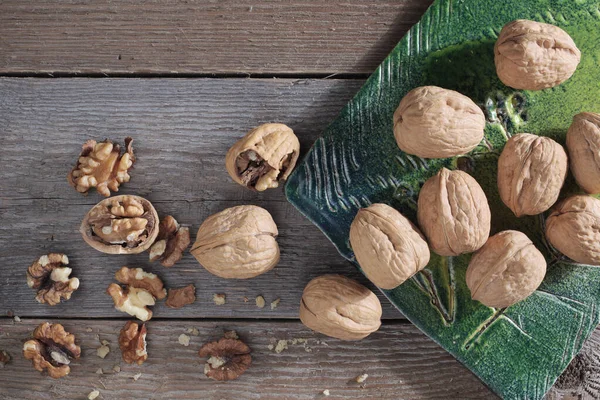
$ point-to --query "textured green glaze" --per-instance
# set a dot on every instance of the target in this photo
(520, 351)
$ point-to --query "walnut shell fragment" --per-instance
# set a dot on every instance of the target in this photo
(138, 278)
(121, 225)
(506, 270)
(432, 122)
(263, 157)
(52, 349)
(573, 228)
(171, 242)
(101, 165)
(388, 247)
(340, 307)
(132, 342)
(583, 144)
(454, 213)
(49, 275)
(132, 301)
(180, 297)
(532, 55)
(237, 243)
(531, 171)
(227, 359)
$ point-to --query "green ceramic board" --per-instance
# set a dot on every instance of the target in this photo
(520, 351)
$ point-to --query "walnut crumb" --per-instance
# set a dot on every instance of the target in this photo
(4, 358)
(275, 303)
(219, 298)
(231, 335)
(99, 371)
(362, 378)
(88, 330)
(137, 376)
(192, 331)
(93, 395)
(103, 351)
(117, 368)
(17, 319)
(270, 347)
(326, 392)
(184, 340)
(246, 299)
(260, 301)
(281, 346)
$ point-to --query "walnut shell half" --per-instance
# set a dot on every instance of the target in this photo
(121, 225)
(263, 157)
(583, 143)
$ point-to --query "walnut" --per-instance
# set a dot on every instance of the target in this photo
(340, 307)
(506, 270)
(573, 228)
(583, 143)
(170, 243)
(132, 342)
(238, 242)
(49, 275)
(132, 301)
(102, 166)
(180, 297)
(453, 213)
(265, 156)
(51, 348)
(138, 278)
(531, 172)
(534, 56)
(121, 225)
(227, 359)
(432, 122)
(388, 247)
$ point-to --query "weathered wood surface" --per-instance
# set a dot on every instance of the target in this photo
(191, 37)
(182, 130)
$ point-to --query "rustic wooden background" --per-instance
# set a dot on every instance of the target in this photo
(186, 79)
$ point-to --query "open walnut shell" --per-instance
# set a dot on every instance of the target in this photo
(121, 225)
(265, 156)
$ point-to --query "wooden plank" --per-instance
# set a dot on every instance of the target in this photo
(190, 37)
(182, 130)
(402, 363)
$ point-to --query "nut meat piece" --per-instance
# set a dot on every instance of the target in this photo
(132, 301)
(170, 243)
(238, 243)
(534, 56)
(340, 307)
(121, 225)
(180, 297)
(531, 172)
(138, 278)
(453, 213)
(573, 228)
(51, 348)
(49, 275)
(132, 342)
(506, 270)
(432, 122)
(227, 359)
(265, 156)
(388, 247)
(102, 166)
(583, 143)
(4, 358)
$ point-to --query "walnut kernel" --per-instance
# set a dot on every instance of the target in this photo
(50, 276)
(171, 242)
(138, 278)
(132, 342)
(180, 297)
(132, 301)
(51, 348)
(227, 359)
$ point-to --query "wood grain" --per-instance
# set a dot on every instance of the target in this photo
(402, 363)
(191, 37)
(182, 130)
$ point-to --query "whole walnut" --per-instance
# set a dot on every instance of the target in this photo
(453, 213)
(507, 269)
(583, 144)
(573, 228)
(432, 122)
(263, 157)
(238, 242)
(533, 56)
(531, 171)
(388, 247)
(340, 307)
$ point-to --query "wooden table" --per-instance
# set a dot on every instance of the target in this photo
(186, 79)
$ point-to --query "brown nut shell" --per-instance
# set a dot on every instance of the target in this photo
(388, 247)
(340, 307)
(583, 144)
(263, 157)
(453, 213)
(531, 171)
(124, 224)
(432, 122)
(573, 228)
(533, 56)
(506, 270)
(237, 243)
